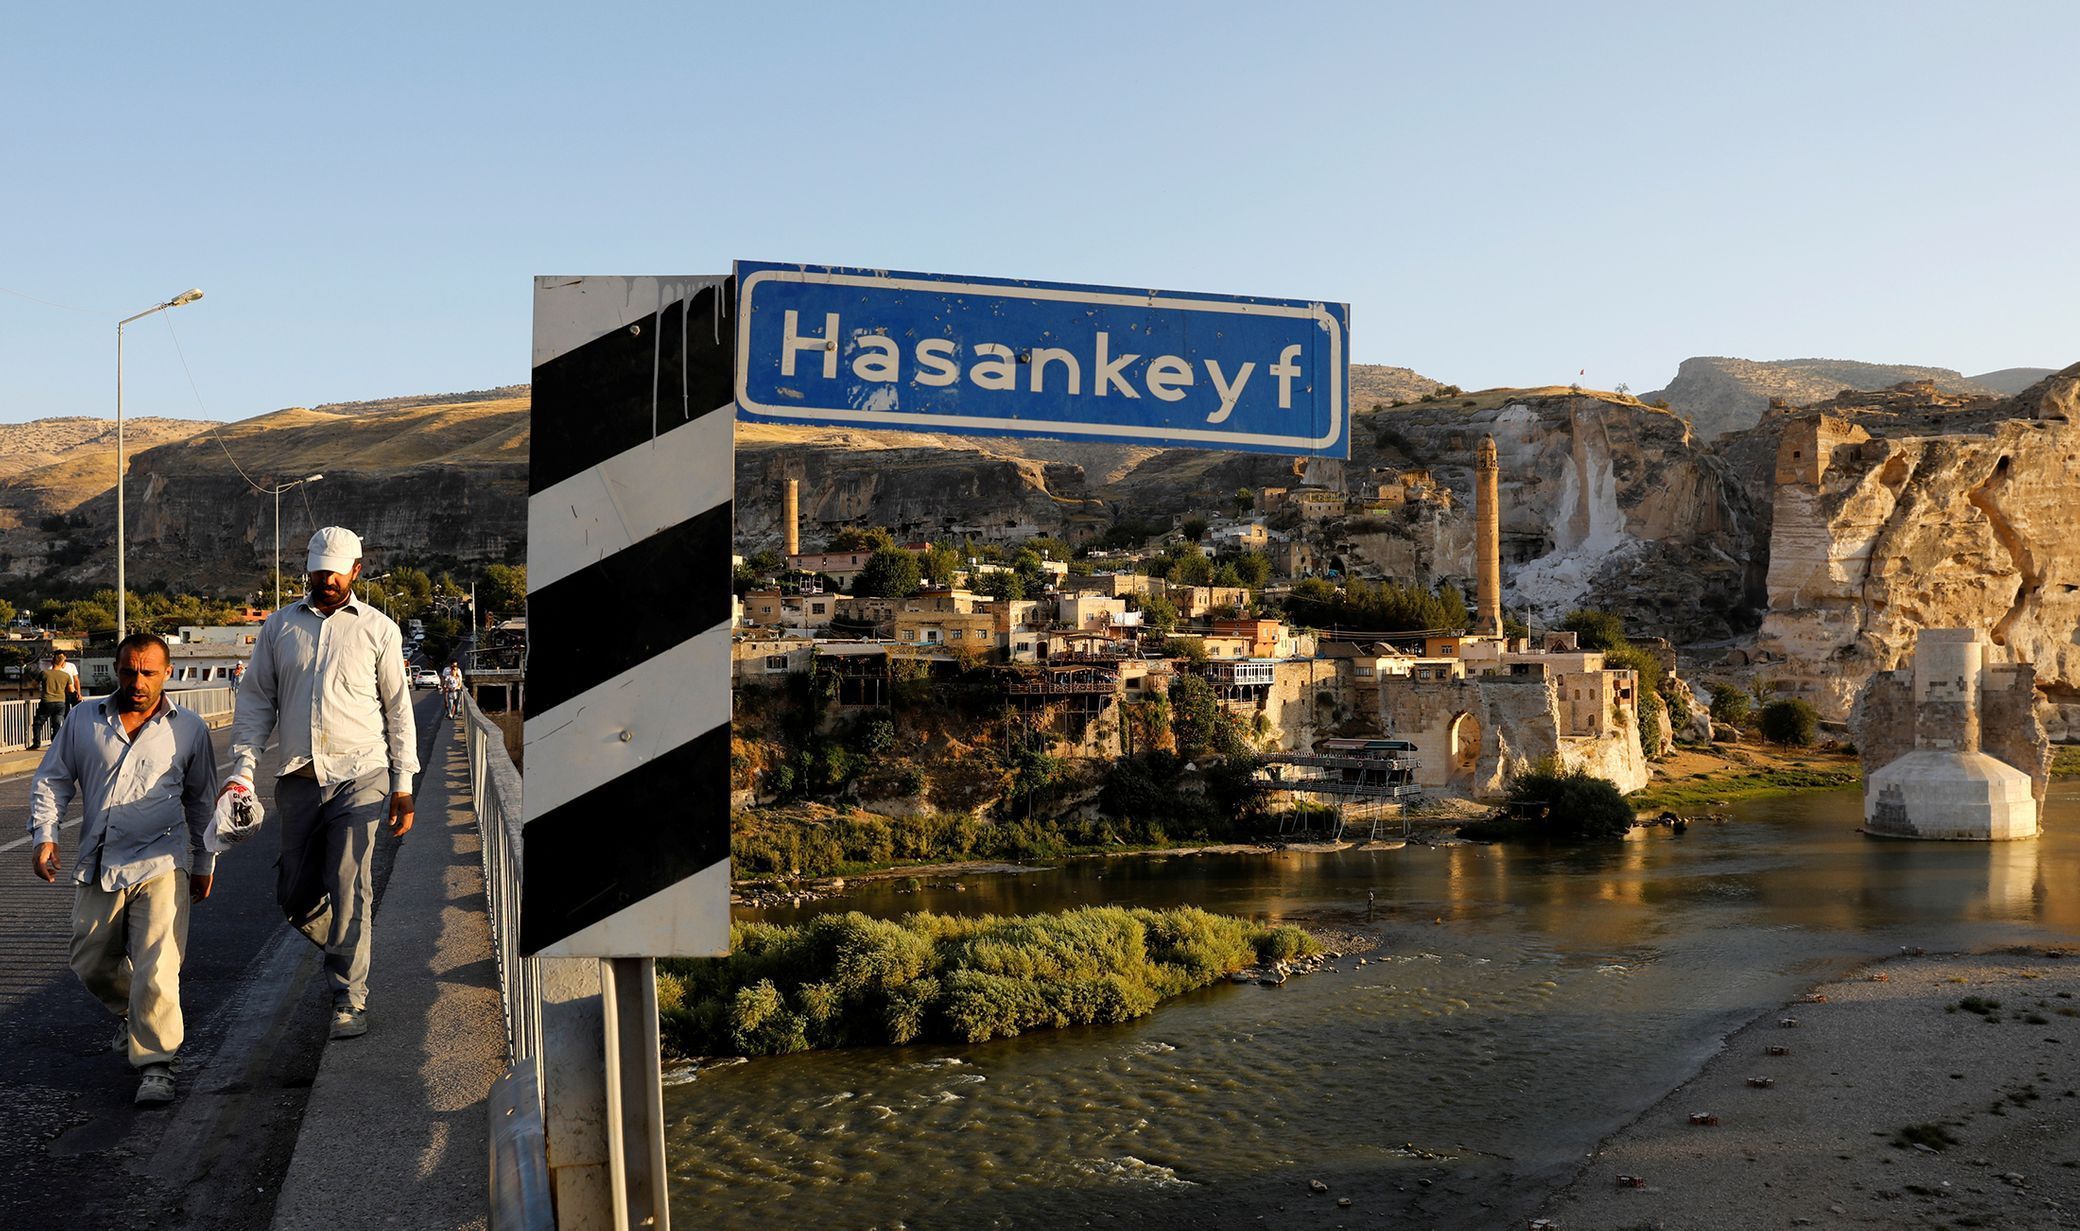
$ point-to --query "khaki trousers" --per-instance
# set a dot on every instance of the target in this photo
(127, 947)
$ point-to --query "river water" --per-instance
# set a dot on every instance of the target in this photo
(1522, 1005)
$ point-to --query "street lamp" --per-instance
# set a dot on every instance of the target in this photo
(122, 586)
(276, 491)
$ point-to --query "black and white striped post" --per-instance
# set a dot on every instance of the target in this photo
(626, 842)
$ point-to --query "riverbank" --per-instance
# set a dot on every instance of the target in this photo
(1935, 1090)
(1697, 779)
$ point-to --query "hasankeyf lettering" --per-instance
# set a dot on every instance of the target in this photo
(1000, 357)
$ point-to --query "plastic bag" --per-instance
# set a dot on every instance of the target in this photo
(239, 815)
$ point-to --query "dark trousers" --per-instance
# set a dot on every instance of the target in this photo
(52, 712)
(325, 878)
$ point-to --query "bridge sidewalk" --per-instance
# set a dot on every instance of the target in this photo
(395, 1133)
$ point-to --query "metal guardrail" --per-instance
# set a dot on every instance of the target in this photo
(213, 704)
(519, 1171)
(495, 793)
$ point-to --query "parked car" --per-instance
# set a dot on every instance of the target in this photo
(424, 678)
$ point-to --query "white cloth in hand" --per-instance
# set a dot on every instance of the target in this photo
(238, 815)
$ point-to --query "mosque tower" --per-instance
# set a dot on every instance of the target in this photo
(1487, 548)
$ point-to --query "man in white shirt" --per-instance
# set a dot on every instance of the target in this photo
(327, 673)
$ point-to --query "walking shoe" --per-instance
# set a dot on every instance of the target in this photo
(121, 1043)
(349, 1023)
(156, 1086)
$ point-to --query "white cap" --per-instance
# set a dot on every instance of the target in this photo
(334, 550)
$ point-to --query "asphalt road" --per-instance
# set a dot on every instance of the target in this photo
(74, 1152)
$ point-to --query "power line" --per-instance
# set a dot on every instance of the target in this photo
(48, 303)
(214, 433)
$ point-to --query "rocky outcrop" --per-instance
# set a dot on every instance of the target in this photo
(1889, 521)
(1605, 501)
(1719, 394)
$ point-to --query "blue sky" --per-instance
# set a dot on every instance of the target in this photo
(1504, 194)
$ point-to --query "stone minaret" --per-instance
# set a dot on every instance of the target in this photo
(791, 519)
(1487, 547)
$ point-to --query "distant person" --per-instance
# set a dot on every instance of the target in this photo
(146, 779)
(327, 673)
(60, 688)
(71, 669)
(451, 689)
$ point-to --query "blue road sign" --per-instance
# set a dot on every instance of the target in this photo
(994, 356)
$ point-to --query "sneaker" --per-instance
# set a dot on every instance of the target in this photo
(349, 1023)
(155, 1088)
(121, 1043)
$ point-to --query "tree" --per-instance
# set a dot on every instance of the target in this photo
(1572, 803)
(503, 589)
(1000, 584)
(890, 573)
(1190, 569)
(861, 538)
(1243, 500)
(1027, 564)
(1193, 529)
(1731, 705)
(1158, 613)
(1191, 649)
(7, 612)
(1595, 630)
(1047, 547)
(940, 562)
(1791, 723)
(1226, 576)
(1254, 567)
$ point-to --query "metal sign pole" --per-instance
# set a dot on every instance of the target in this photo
(635, 1094)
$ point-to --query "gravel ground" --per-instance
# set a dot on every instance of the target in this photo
(1900, 1103)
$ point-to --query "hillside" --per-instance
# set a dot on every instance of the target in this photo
(1719, 394)
(2011, 381)
(1377, 384)
(422, 479)
(29, 447)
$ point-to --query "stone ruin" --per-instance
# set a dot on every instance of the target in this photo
(1951, 745)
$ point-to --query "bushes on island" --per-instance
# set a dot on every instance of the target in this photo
(848, 980)
(1549, 803)
(1731, 706)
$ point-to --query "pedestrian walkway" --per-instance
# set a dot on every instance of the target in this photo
(273, 1125)
(394, 1134)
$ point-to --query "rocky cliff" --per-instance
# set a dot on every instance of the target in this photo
(429, 481)
(1606, 502)
(1719, 394)
(1911, 509)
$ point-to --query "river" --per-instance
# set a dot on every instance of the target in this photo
(1522, 1005)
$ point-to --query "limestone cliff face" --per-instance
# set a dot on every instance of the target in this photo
(1605, 503)
(1883, 527)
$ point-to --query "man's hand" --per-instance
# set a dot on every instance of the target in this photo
(400, 814)
(45, 861)
(198, 887)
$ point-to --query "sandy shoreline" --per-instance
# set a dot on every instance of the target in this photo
(1887, 1049)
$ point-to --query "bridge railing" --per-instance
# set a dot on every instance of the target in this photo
(519, 1165)
(213, 704)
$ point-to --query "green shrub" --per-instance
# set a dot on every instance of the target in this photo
(1731, 705)
(1595, 630)
(1791, 723)
(847, 979)
(1569, 804)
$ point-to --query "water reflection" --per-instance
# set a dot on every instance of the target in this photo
(1524, 1002)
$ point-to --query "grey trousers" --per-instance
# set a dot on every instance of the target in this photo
(325, 878)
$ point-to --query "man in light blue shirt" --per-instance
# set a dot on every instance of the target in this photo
(327, 675)
(146, 779)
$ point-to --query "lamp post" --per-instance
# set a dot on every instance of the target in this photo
(276, 491)
(122, 585)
